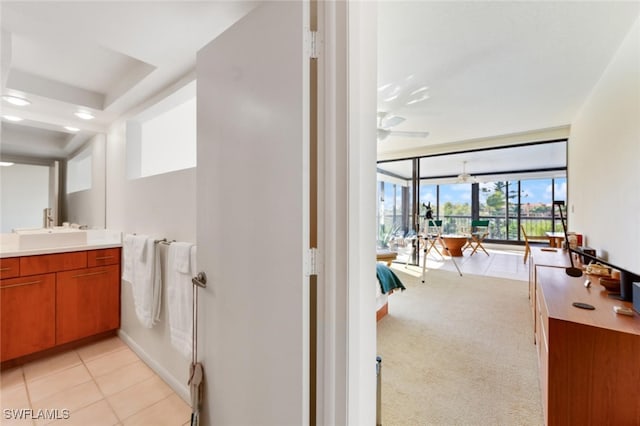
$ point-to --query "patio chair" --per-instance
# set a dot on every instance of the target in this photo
(432, 236)
(479, 231)
(527, 240)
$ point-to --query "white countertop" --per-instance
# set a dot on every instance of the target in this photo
(96, 239)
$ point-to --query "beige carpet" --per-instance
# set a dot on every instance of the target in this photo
(458, 351)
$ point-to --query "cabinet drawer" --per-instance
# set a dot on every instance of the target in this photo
(9, 267)
(42, 264)
(27, 315)
(110, 256)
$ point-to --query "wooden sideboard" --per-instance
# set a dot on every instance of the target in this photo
(589, 360)
(543, 257)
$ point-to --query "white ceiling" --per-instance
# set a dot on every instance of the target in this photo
(491, 68)
(105, 57)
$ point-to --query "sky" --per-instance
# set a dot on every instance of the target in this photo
(533, 191)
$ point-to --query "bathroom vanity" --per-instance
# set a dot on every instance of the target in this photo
(56, 296)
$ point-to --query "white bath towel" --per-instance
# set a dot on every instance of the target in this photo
(180, 295)
(140, 248)
(127, 257)
(147, 282)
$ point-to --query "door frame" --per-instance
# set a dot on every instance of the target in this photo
(347, 179)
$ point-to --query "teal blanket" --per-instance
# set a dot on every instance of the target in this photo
(387, 278)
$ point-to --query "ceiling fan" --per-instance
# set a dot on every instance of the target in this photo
(387, 121)
(465, 177)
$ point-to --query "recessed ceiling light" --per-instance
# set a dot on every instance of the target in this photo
(72, 129)
(12, 118)
(6, 163)
(85, 115)
(16, 100)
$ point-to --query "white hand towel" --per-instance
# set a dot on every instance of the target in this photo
(180, 295)
(157, 285)
(127, 258)
(147, 284)
(183, 258)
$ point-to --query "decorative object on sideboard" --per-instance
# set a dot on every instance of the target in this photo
(626, 277)
(610, 284)
(572, 271)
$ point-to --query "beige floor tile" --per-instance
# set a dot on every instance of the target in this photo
(57, 382)
(112, 361)
(11, 377)
(137, 397)
(14, 397)
(73, 399)
(124, 377)
(101, 348)
(171, 411)
(53, 364)
(96, 414)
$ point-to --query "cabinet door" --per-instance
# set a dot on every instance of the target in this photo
(88, 302)
(27, 315)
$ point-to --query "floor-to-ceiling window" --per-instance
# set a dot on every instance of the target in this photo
(510, 186)
(455, 208)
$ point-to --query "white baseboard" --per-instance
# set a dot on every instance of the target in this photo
(180, 388)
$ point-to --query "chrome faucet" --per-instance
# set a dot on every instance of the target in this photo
(47, 218)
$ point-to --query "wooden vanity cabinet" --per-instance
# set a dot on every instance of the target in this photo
(88, 302)
(57, 299)
(28, 312)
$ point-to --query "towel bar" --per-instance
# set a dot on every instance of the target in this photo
(164, 241)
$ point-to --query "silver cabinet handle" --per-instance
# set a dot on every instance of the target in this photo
(89, 274)
(21, 284)
(104, 257)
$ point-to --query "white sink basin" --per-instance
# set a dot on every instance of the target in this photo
(50, 238)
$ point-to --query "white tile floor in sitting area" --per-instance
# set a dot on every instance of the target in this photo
(502, 262)
(104, 383)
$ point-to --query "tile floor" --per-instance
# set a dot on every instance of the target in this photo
(104, 383)
(502, 262)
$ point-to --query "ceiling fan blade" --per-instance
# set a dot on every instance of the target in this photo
(383, 134)
(409, 134)
(390, 121)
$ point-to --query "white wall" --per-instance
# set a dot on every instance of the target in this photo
(162, 206)
(604, 160)
(87, 207)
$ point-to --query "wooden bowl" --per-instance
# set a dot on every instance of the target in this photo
(610, 284)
